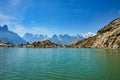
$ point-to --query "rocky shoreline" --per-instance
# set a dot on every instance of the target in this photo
(39, 44)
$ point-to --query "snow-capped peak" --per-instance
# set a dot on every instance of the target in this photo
(59, 39)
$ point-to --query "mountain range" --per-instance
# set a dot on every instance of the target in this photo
(58, 39)
(9, 36)
(106, 37)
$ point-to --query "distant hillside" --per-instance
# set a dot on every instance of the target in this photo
(9, 36)
(47, 44)
(58, 39)
(107, 37)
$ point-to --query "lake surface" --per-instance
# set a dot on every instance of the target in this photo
(59, 64)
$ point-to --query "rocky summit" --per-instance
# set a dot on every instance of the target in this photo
(107, 37)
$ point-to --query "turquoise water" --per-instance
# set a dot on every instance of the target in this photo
(59, 64)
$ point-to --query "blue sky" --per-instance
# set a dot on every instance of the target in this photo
(57, 16)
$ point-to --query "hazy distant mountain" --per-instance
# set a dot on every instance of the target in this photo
(33, 38)
(9, 36)
(59, 39)
(107, 37)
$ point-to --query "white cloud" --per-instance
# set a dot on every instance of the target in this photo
(7, 19)
(12, 11)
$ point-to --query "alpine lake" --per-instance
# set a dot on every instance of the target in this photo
(59, 64)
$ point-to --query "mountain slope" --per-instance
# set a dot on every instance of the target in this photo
(107, 37)
(9, 36)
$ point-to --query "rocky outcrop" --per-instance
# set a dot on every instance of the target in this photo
(107, 37)
(47, 44)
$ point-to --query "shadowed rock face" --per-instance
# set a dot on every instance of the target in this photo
(107, 37)
(4, 28)
(9, 36)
